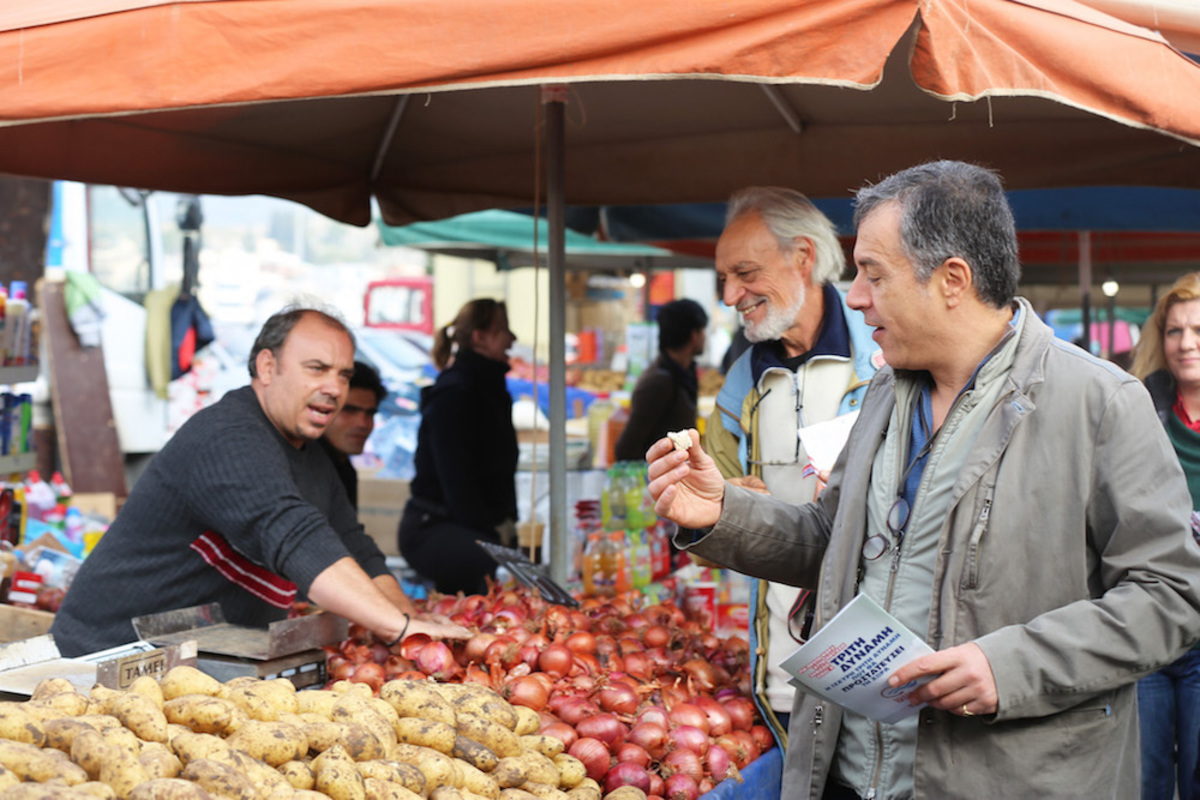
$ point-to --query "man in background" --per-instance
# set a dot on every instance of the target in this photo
(665, 396)
(346, 434)
(810, 359)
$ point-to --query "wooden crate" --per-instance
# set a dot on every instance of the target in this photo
(23, 623)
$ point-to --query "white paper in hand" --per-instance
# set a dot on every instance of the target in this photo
(849, 661)
(823, 441)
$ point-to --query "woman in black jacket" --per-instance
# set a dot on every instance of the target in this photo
(466, 458)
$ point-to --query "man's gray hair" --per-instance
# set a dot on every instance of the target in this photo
(277, 327)
(788, 214)
(952, 209)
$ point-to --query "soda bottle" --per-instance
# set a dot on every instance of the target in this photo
(591, 563)
(615, 491)
(614, 564)
(634, 520)
(597, 416)
(641, 574)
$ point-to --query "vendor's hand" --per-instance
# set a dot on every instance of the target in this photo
(440, 619)
(751, 482)
(964, 683)
(437, 630)
(686, 485)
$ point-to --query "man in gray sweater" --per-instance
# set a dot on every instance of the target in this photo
(242, 508)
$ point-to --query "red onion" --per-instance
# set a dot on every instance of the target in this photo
(503, 651)
(527, 691)
(605, 727)
(633, 754)
(561, 731)
(626, 774)
(638, 665)
(762, 737)
(681, 787)
(413, 644)
(594, 755)
(651, 737)
(436, 661)
(720, 766)
(369, 673)
(618, 698)
(694, 739)
(628, 644)
(683, 761)
(736, 750)
(656, 786)
(581, 642)
(556, 660)
(741, 712)
(689, 714)
(656, 636)
(573, 709)
(719, 720)
(702, 673)
(655, 714)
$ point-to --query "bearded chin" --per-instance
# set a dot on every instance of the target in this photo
(776, 321)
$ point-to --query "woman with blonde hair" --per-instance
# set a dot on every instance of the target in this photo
(466, 457)
(1167, 360)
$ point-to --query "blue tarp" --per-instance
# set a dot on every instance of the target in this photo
(761, 780)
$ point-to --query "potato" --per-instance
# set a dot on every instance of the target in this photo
(548, 746)
(336, 775)
(8, 777)
(219, 779)
(101, 722)
(89, 751)
(360, 743)
(541, 769)
(51, 686)
(548, 792)
(19, 725)
(476, 780)
(96, 789)
(252, 700)
(100, 699)
(474, 753)
(315, 702)
(351, 687)
(510, 772)
(445, 793)
(571, 771)
(417, 699)
(588, 789)
(496, 737)
(183, 680)
(122, 772)
(71, 704)
(516, 794)
(201, 713)
(169, 789)
(160, 763)
(377, 789)
(41, 791)
(484, 703)
(298, 774)
(272, 742)
(438, 768)
(427, 733)
(268, 780)
(123, 739)
(351, 708)
(528, 720)
(626, 793)
(194, 746)
(140, 714)
(395, 771)
(31, 763)
(148, 687)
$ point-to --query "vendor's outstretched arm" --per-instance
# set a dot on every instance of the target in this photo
(343, 588)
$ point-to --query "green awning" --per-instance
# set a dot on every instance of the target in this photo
(507, 238)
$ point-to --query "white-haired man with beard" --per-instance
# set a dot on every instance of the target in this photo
(810, 360)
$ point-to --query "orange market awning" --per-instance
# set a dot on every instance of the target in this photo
(433, 108)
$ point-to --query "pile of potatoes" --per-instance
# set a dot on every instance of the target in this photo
(192, 737)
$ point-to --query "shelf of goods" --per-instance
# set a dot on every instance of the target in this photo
(19, 462)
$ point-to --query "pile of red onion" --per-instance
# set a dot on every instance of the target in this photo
(642, 696)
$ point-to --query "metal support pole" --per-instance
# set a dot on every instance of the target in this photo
(554, 99)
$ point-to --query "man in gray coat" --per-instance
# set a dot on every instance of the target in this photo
(1003, 493)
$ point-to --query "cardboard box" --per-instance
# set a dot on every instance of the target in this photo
(380, 504)
(23, 623)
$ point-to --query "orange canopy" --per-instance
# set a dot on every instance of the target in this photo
(432, 106)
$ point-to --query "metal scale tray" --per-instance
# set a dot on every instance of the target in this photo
(288, 648)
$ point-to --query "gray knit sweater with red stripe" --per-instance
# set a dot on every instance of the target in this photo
(227, 471)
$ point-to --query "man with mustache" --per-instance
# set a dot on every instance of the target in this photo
(243, 508)
(810, 360)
